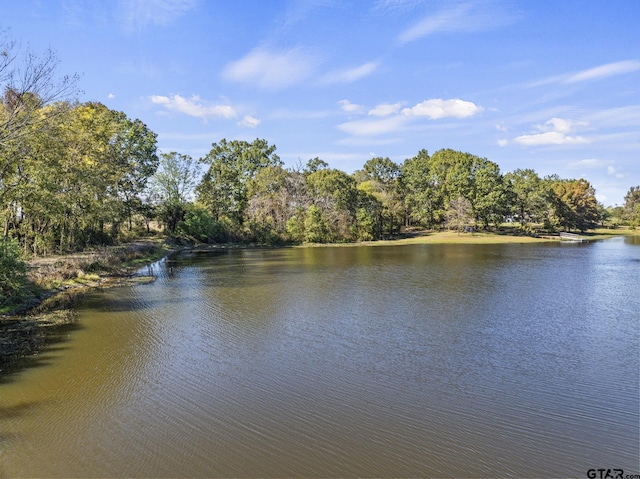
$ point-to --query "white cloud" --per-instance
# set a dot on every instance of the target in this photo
(193, 106)
(549, 138)
(385, 109)
(503, 142)
(390, 117)
(137, 14)
(595, 73)
(350, 75)
(111, 95)
(271, 70)
(554, 132)
(464, 17)
(438, 108)
(349, 107)
(604, 71)
(249, 121)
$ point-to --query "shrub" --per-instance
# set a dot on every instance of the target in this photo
(13, 273)
(199, 225)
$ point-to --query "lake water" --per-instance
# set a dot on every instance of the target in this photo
(422, 360)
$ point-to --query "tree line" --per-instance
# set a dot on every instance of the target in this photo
(247, 194)
(75, 175)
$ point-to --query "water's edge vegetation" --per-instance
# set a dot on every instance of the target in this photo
(59, 282)
(81, 183)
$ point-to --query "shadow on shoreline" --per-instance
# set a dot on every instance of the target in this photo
(27, 342)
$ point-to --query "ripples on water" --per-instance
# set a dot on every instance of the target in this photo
(457, 360)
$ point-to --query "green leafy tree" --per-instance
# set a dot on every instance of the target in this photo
(334, 193)
(224, 188)
(199, 225)
(315, 164)
(530, 195)
(268, 208)
(632, 206)
(171, 187)
(13, 280)
(491, 197)
(315, 226)
(452, 177)
(380, 175)
(574, 204)
(419, 189)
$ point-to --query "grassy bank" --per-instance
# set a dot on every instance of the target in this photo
(56, 284)
(503, 236)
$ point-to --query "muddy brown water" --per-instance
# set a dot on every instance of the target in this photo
(405, 361)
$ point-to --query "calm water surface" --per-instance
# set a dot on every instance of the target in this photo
(425, 360)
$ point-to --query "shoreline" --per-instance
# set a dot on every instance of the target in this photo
(36, 322)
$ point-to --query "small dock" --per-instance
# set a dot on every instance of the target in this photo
(566, 237)
(573, 237)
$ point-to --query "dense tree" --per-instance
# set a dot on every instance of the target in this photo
(13, 280)
(530, 193)
(76, 177)
(315, 164)
(171, 187)
(417, 184)
(224, 188)
(574, 205)
(270, 204)
(316, 229)
(334, 193)
(379, 178)
(490, 197)
(632, 206)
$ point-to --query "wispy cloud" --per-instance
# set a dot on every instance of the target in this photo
(349, 107)
(137, 14)
(395, 5)
(370, 127)
(604, 71)
(385, 109)
(272, 70)
(553, 132)
(594, 163)
(464, 17)
(193, 106)
(587, 163)
(350, 75)
(626, 116)
(249, 121)
(287, 114)
(591, 74)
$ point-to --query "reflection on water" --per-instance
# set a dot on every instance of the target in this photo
(426, 360)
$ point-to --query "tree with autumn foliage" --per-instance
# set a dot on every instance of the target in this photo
(573, 204)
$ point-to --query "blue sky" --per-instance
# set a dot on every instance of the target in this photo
(544, 84)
